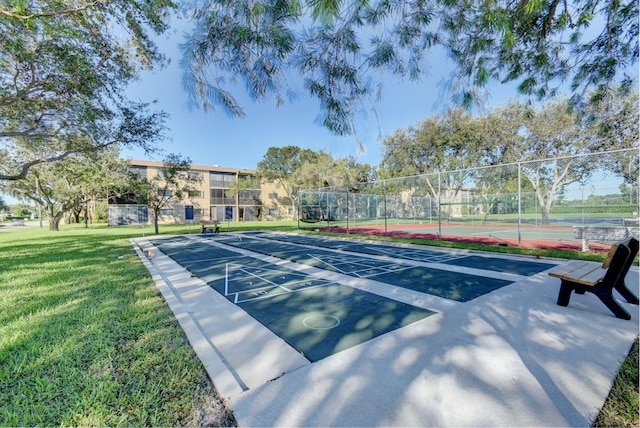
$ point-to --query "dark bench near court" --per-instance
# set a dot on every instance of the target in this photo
(210, 227)
(581, 277)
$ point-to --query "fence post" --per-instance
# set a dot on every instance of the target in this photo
(328, 210)
(347, 190)
(299, 207)
(384, 200)
(519, 205)
(439, 208)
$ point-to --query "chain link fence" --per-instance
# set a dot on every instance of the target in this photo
(581, 200)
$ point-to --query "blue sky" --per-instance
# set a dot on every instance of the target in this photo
(213, 138)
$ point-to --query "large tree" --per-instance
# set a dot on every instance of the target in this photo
(441, 148)
(545, 144)
(69, 186)
(64, 68)
(171, 184)
(281, 165)
(614, 124)
(294, 168)
(337, 50)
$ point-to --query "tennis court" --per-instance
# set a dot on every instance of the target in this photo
(543, 237)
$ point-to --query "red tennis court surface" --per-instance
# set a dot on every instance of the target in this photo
(421, 231)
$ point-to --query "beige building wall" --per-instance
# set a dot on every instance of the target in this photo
(213, 198)
(276, 204)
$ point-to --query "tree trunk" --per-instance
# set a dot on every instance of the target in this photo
(155, 222)
(487, 210)
(54, 219)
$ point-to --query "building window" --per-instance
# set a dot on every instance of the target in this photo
(220, 197)
(195, 193)
(165, 212)
(194, 175)
(273, 195)
(140, 171)
(221, 179)
(165, 193)
(249, 197)
(274, 211)
(198, 212)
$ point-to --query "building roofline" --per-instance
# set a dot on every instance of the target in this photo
(193, 167)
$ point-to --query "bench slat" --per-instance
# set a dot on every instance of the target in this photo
(581, 272)
(593, 277)
(566, 268)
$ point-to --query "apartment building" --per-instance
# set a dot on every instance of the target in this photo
(214, 197)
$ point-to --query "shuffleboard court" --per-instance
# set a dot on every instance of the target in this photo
(519, 267)
(317, 317)
(448, 284)
(423, 254)
(492, 263)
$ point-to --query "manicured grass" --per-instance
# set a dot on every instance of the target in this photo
(621, 407)
(86, 338)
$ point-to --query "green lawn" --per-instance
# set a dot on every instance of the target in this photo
(86, 338)
(621, 407)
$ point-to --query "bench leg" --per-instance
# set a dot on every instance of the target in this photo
(565, 294)
(606, 296)
(627, 294)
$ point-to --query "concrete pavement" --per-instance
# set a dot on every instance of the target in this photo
(509, 358)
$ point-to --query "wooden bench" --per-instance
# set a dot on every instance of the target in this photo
(581, 277)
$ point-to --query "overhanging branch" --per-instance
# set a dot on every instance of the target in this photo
(26, 166)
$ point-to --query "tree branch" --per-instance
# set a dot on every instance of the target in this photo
(25, 167)
(51, 14)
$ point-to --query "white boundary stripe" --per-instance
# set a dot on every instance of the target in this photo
(272, 286)
(408, 254)
(405, 295)
(226, 279)
(386, 268)
(328, 264)
(278, 294)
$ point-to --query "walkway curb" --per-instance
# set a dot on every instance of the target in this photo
(216, 368)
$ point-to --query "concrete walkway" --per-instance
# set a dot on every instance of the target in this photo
(509, 358)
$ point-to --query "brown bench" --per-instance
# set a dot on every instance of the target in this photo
(581, 277)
